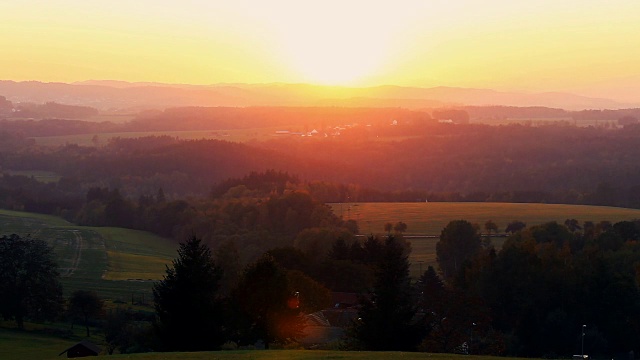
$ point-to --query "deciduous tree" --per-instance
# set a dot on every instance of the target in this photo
(29, 280)
(85, 305)
(459, 242)
(264, 296)
(515, 226)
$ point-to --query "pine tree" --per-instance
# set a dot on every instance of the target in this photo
(188, 309)
(386, 320)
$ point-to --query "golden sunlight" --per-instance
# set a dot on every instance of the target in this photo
(335, 45)
(338, 59)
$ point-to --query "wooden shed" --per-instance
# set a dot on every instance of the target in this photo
(82, 349)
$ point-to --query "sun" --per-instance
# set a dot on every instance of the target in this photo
(334, 45)
(333, 57)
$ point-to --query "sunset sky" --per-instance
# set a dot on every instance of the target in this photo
(585, 46)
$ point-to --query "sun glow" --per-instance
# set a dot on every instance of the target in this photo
(542, 45)
(338, 59)
(336, 43)
(335, 54)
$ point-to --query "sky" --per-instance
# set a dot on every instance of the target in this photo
(585, 46)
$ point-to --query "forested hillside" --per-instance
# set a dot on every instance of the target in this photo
(441, 162)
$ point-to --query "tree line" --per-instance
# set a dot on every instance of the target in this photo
(439, 162)
(547, 289)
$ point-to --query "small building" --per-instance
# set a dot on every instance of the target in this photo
(82, 349)
(327, 326)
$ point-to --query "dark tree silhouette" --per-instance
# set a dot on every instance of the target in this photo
(270, 304)
(573, 225)
(515, 226)
(491, 228)
(400, 227)
(459, 242)
(386, 318)
(85, 305)
(29, 285)
(188, 309)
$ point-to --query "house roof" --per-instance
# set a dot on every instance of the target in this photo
(332, 317)
(87, 345)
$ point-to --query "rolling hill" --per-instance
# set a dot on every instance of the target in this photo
(116, 263)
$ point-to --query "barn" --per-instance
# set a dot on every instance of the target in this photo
(82, 349)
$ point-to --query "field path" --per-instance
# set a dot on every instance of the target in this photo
(66, 272)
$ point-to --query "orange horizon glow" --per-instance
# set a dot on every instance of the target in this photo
(534, 46)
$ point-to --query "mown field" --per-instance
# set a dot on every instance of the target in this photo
(300, 355)
(120, 264)
(237, 135)
(428, 219)
(31, 345)
(42, 176)
(117, 263)
(17, 345)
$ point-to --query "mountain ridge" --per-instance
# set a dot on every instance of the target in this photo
(109, 94)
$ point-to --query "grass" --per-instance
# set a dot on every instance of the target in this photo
(29, 345)
(135, 255)
(233, 135)
(428, 219)
(21, 345)
(117, 263)
(298, 355)
(39, 175)
(236, 135)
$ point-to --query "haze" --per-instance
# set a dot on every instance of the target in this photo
(586, 47)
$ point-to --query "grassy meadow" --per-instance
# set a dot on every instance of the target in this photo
(120, 264)
(42, 176)
(299, 355)
(117, 263)
(236, 135)
(425, 220)
(30, 346)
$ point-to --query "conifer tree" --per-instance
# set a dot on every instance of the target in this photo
(188, 309)
(386, 320)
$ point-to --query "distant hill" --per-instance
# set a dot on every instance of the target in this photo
(110, 94)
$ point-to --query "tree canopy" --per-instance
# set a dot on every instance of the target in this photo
(188, 309)
(459, 242)
(271, 305)
(85, 305)
(29, 280)
(386, 318)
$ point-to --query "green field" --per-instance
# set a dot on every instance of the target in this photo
(121, 263)
(23, 345)
(300, 355)
(42, 176)
(236, 135)
(117, 263)
(428, 219)
(20, 345)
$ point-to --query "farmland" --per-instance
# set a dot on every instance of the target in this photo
(237, 135)
(428, 219)
(33, 346)
(298, 355)
(117, 263)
